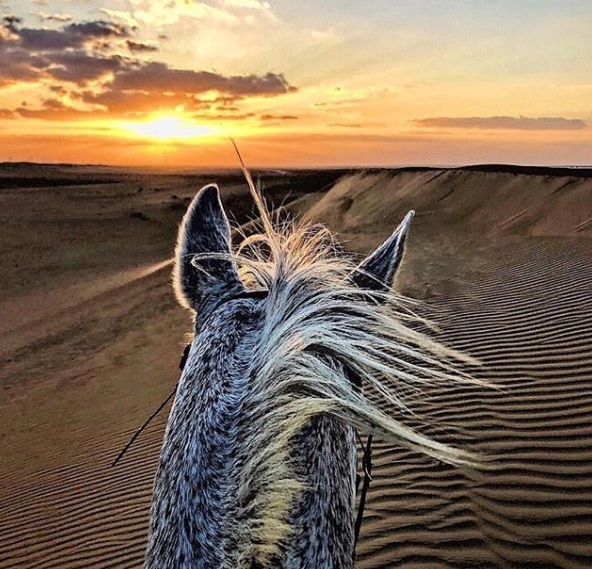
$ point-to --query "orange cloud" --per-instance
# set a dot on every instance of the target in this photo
(503, 122)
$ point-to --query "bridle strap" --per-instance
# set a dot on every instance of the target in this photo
(184, 357)
(147, 421)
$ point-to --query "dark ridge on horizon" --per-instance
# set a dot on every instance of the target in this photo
(12, 182)
(575, 171)
(39, 175)
(34, 174)
(14, 165)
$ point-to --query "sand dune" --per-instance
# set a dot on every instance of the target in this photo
(90, 337)
(530, 327)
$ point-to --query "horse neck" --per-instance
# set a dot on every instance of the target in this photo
(194, 521)
(191, 516)
(323, 519)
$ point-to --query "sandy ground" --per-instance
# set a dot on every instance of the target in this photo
(90, 337)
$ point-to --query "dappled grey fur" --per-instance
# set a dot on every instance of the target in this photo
(257, 468)
(324, 452)
(194, 514)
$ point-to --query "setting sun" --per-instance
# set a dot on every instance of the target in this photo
(332, 84)
(169, 128)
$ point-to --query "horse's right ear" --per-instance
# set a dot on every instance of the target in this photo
(378, 270)
(204, 271)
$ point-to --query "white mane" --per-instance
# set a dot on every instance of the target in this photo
(319, 331)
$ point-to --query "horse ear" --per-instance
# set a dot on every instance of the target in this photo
(377, 271)
(205, 230)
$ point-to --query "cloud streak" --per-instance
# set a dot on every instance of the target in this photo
(503, 122)
(55, 17)
(158, 77)
(71, 36)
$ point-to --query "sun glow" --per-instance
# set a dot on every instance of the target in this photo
(168, 128)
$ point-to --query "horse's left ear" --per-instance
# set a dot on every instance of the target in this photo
(378, 270)
(205, 231)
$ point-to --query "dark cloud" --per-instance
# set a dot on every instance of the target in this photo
(157, 77)
(19, 65)
(11, 23)
(98, 29)
(65, 54)
(278, 117)
(503, 122)
(139, 102)
(46, 40)
(226, 103)
(79, 67)
(140, 47)
(72, 36)
(58, 89)
(52, 109)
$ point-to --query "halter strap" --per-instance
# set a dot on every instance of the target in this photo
(147, 421)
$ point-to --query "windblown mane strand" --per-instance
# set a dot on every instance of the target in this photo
(318, 331)
(373, 340)
(309, 284)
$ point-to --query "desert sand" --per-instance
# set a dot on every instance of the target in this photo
(91, 335)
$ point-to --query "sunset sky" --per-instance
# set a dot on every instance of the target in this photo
(296, 83)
